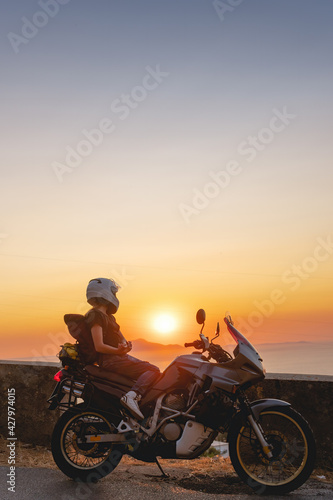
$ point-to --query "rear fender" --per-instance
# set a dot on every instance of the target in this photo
(261, 404)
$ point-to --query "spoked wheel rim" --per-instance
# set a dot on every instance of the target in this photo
(82, 455)
(288, 445)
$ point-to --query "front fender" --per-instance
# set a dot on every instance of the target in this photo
(261, 404)
(256, 407)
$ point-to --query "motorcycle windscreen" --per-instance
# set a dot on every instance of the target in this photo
(238, 337)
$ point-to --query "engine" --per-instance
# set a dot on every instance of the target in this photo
(171, 430)
(175, 401)
(178, 436)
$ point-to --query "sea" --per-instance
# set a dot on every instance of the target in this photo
(308, 358)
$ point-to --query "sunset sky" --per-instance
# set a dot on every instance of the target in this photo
(183, 149)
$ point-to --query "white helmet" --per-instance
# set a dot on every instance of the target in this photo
(103, 288)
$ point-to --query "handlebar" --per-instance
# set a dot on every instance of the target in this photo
(198, 344)
(214, 351)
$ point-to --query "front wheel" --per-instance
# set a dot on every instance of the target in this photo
(79, 460)
(292, 445)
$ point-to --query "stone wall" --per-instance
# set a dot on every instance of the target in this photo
(310, 395)
(33, 383)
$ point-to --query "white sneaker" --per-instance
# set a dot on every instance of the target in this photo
(130, 401)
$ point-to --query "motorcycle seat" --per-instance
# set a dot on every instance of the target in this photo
(97, 372)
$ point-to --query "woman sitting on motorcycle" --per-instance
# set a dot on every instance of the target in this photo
(111, 345)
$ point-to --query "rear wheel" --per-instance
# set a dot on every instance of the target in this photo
(84, 461)
(292, 445)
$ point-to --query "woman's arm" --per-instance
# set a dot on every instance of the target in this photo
(124, 341)
(97, 336)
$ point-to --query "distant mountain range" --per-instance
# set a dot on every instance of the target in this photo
(158, 354)
(144, 342)
(142, 345)
(155, 345)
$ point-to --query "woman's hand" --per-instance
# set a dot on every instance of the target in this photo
(124, 348)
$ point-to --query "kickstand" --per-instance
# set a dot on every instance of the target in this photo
(159, 466)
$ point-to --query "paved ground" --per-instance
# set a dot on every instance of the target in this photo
(138, 481)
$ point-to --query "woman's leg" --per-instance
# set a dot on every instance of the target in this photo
(143, 372)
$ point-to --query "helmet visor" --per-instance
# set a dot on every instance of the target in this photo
(114, 287)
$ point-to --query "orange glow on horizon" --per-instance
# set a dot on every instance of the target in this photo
(32, 314)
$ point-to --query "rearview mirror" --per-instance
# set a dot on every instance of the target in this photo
(201, 316)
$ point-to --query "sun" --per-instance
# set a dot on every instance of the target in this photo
(164, 323)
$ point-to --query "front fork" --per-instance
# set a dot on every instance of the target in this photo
(260, 436)
(257, 429)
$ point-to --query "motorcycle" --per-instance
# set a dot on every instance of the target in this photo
(199, 395)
